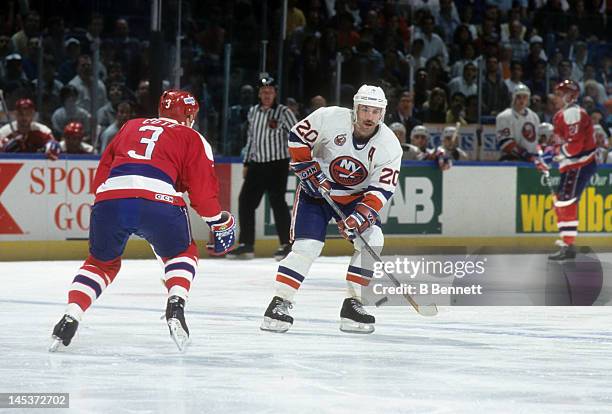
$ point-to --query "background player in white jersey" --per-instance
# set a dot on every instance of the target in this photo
(356, 157)
(516, 128)
(139, 185)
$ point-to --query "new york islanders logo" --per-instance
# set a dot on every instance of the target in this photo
(528, 131)
(340, 139)
(347, 171)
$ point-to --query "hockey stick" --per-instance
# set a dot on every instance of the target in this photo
(6, 111)
(424, 310)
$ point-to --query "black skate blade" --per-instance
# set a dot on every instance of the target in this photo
(178, 334)
(350, 326)
(273, 325)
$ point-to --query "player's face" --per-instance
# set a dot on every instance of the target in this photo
(24, 118)
(367, 118)
(558, 101)
(521, 102)
(419, 141)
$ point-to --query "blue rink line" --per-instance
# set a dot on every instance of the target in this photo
(604, 338)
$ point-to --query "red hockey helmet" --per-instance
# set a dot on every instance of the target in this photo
(568, 91)
(178, 105)
(24, 103)
(74, 130)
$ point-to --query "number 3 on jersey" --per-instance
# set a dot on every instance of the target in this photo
(149, 141)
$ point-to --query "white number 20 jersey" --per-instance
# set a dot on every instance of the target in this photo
(370, 170)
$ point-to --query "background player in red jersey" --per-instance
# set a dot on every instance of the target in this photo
(577, 163)
(25, 135)
(139, 184)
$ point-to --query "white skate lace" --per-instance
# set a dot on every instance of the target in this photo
(358, 307)
(282, 308)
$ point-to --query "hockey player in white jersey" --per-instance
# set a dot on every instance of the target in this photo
(356, 157)
(516, 128)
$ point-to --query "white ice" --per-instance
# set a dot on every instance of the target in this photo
(465, 360)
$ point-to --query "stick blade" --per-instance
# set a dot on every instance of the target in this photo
(428, 310)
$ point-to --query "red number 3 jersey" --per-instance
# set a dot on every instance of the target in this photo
(159, 159)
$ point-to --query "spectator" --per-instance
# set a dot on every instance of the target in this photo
(495, 96)
(15, 84)
(238, 119)
(69, 111)
(25, 135)
(465, 84)
(72, 140)
(68, 69)
(456, 112)
(416, 57)
(5, 50)
(468, 55)
(144, 108)
(53, 42)
(84, 82)
(448, 20)
(471, 109)
(266, 165)
(404, 112)
(516, 76)
(124, 114)
(549, 108)
(520, 48)
(537, 81)
(434, 110)
(418, 149)
(316, 102)
(433, 45)
(535, 55)
(94, 30)
(537, 105)
(603, 154)
(107, 114)
(31, 28)
(51, 89)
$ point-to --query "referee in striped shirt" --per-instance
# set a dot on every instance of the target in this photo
(266, 167)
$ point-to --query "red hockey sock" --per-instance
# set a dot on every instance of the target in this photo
(567, 222)
(180, 271)
(91, 280)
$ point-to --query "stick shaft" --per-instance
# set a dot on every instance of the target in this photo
(369, 249)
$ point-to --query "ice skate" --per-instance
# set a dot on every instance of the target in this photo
(176, 322)
(565, 252)
(63, 332)
(354, 318)
(276, 317)
(242, 252)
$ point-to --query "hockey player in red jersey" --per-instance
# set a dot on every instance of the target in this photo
(138, 188)
(577, 163)
(25, 135)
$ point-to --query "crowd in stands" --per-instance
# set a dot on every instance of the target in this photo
(426, 54)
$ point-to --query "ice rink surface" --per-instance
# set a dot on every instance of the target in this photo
(465, 360)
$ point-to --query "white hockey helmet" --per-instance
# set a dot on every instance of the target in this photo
(545, 129)
(371, 96)
(521, 89)
(449, 131)
(419, 130)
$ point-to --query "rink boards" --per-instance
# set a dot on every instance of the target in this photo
(45, 206)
